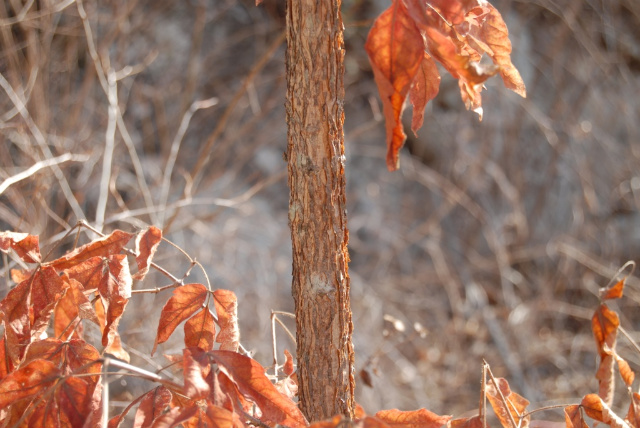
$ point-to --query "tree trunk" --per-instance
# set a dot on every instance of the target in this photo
(317, 207)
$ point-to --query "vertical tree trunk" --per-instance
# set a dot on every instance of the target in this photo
(317, 207)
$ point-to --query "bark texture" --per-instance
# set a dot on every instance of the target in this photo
(317, 207)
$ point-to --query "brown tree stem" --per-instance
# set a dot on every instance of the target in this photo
(317, 207)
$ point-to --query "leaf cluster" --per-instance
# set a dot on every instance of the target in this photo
(407, 40)
(50, 375)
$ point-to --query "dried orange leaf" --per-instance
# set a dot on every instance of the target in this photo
(103, 247)
(633, 415)
(175, 417)
(597, 409)
(425, 88)
(372, 422)
(30, 380)
(195, 367)
(147, 243)
(604, 326)
(152, 405)
(227, 309)
(75, 355)
(613, 292)
(288, 367)
(421, 418)
(200, 330)
(510, 409)
(395, 47)
(74, 398)
(472, 422)
(46, 289)
(26, 246)
(115, 291)
(250, 378)
(496, 36)
(186, 300)
(14, 312)
(573, 417)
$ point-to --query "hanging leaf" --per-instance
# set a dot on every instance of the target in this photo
(227, 309)
(613, 292)
(26, 246)
(147, 243)
(396, 49)
(496, 36)
(186, 300)
(633, 415)
(200, 330)
(425, 88)
(604, 326)
(597, 409)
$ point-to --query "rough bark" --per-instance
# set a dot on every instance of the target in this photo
(317, 207)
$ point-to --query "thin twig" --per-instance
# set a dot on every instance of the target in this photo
(42, 143)
(175, 147)
(40, 165)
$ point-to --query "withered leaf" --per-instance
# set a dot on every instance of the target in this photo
(396, 48)
(28, 381)
(103, 247)
(186, 300)
(200, 330)
(147, 243)
(511, 410)
(26, 246)
(421, 418)
(250, 378)
(226, 305)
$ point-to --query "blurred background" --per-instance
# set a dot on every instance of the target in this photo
(490, 242)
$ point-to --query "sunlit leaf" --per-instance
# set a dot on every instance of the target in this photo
(175, 417)
(425, 88)
(74, 395)
(496, 36)
(604, 326)
(226, 305)
(396, 49)
(76, 355)
(421, 418)
(103, 247)
(146, 245)
(115, 291)
(152, 405)
(196, 367)
(186, 300)
(597, 409)
(613, 292)
(288, 367)
(14, 312)
(200, 330)
(26, 246)
(89, 273)
(27, 381)
(573, 417)
(512, 409)
(251, 380)
(46, 289)
(471, 422)
(633, 415)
